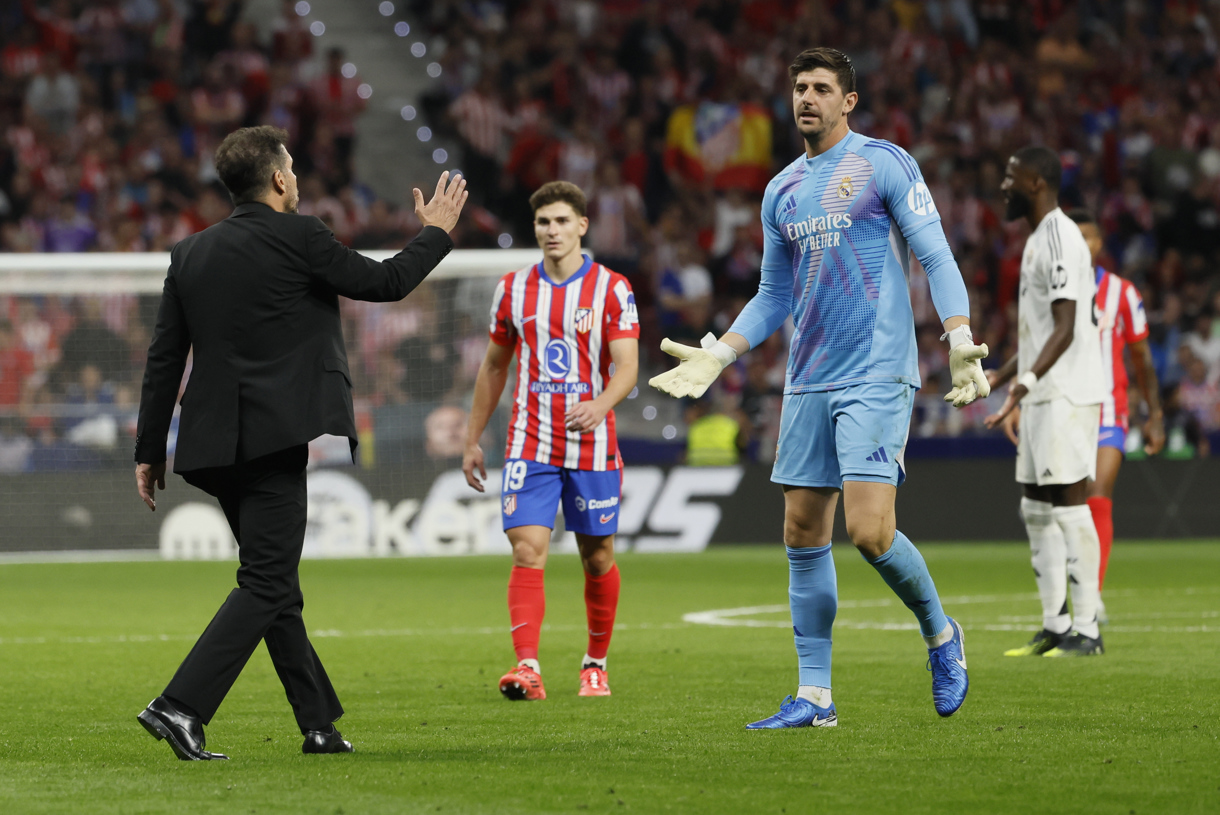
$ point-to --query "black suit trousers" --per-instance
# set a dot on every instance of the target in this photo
(265, 502)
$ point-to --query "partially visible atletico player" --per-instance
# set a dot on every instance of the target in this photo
(568, 320)
(1119, 313)
(1121, 317)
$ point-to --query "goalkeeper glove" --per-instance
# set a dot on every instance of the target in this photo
(697, 367)
(969, 381)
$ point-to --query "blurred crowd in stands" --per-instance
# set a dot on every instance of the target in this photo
(672, 116)
(675, 114)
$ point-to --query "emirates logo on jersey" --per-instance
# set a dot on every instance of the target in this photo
(584, 320)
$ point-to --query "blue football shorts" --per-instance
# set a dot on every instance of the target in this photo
(1113, 436)
(531, 493)
(857, 433)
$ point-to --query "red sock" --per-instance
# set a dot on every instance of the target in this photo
(601, 601)
(1103, 519)
(526, 608)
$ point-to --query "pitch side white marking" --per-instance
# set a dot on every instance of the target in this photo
(740, 617)
(322, 634)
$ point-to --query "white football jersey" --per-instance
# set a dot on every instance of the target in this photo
(1056, 266)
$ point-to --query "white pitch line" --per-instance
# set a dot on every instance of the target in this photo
(121, 639)
(739, 617)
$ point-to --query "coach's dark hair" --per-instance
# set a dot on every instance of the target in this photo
(832, 59)
(553, 192)
(1043, 161)
(1081, 215)
(248, 158)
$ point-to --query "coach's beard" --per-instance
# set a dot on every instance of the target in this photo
(1017, 206)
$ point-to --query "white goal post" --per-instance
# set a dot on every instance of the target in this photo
(94, 273)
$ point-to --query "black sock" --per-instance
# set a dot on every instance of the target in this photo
(182, 707)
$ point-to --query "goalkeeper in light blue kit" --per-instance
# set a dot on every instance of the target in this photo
(840, 224)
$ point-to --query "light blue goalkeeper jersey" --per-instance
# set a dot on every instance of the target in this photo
(839, 232)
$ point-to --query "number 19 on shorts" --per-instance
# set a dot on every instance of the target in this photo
(514, 476)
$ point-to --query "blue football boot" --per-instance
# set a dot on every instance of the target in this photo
(948, 666)
(798, 713)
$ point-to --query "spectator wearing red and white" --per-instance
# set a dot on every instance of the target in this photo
(578, 155)
(483, 124)
(481, 119)
(285, 100)
(616, 219)
(16, 366)
(526, 110)
(671, 86)
(1198, 393)
(217, 106)
(608, 86)
(249, 65)
(290, 37)
(534, 157)
(338, 102)
(22, 57)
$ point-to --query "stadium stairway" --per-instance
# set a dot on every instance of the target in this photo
(389, 157)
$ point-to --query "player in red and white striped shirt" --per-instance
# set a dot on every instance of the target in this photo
(1119, 312)
(567, 320)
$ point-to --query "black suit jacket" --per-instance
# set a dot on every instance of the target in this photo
(256, 296)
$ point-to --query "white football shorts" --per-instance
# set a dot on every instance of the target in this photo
(1057, 443)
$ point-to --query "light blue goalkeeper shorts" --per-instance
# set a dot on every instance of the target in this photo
(857, 433)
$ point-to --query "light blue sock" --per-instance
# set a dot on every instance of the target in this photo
(813, 595)
(903, 570)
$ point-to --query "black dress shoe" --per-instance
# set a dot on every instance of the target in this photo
(322, 741)
(183, 731)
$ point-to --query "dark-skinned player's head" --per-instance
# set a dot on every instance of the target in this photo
(1089, 229)
(1033, 174)
(823, 91)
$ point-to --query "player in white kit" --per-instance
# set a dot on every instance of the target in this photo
(1060, 391)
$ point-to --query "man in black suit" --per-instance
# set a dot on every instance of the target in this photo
(256, 297)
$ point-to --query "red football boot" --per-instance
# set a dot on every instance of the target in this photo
(593, 682)
(522, 682)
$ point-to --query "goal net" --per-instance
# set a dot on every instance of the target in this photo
(74, 332)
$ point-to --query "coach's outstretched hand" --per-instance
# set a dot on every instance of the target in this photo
(697, 367)
(969, 381)
(446, 204)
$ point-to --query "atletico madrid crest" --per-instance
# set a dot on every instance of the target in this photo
(584, 320)
(510, 504)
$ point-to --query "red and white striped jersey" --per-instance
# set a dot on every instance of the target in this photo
(562, 333)
(1121, 318)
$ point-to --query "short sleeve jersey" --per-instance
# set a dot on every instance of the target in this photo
(1122, 318)
(562, 334)
(1056, 266)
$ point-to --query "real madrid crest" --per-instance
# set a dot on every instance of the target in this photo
(845, 188)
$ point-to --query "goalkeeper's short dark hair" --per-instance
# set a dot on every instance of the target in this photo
(832, 59)
(554, 192)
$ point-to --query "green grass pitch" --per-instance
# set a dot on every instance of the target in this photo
(415, 648)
